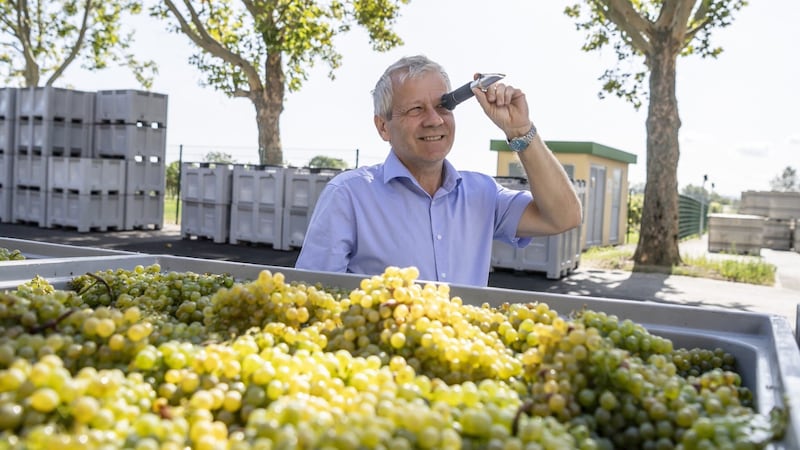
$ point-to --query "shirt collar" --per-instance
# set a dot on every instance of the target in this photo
(394, 168)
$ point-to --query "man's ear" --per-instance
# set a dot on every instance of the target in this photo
(383, 127)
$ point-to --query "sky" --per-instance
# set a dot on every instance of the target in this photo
(740, 113)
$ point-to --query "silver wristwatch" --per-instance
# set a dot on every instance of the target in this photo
(519, 144)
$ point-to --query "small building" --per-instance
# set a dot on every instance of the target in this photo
(605, 170)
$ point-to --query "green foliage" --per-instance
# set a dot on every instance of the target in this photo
(173, 178)
(219, 158)
(41, 39)
(636, 29)
(787, 181)
(234, 39)
(635, 205)
(327, 162)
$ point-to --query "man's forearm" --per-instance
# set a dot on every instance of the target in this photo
(554, 194)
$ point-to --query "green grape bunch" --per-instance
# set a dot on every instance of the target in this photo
(10, 255)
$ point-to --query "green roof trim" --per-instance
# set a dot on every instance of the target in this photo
(589, 148)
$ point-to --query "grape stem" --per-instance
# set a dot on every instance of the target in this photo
(525, 408)
(100, 279)
(53, 323)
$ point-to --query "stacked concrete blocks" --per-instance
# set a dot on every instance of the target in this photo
(736, 233)
(206, 200)
(257, 205)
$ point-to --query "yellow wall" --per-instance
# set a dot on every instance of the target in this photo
(582, 164)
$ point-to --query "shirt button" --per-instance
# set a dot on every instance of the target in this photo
(439, 237)
(444, 275)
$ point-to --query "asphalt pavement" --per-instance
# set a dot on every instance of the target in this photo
(781, 299)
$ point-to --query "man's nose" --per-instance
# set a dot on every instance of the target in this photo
(433, 118)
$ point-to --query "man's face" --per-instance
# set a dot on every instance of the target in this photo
(421, 131)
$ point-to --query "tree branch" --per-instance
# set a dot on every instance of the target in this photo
(700, 19)
(24, 34)
(73, 53)
(625, 17)
(202, 39)
(680, 19)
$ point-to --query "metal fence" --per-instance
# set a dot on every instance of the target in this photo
(692, 216)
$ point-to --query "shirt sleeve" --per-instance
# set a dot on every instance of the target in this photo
(510, 206)
(329, 240)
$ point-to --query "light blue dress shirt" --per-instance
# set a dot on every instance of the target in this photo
(372, 217)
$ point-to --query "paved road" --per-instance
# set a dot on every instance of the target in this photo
(781, 299)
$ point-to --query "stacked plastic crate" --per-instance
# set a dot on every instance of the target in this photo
(50, 122)
(556, 255)
(257, 205)
(206, 200)
(8, 103)
(303, 187)
(130, 125)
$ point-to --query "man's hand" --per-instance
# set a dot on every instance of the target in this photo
(507, 107)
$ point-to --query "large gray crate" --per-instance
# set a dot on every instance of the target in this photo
(302, 190)
(86, 175)
(85, 212)
(8, 103)
(206, 182)
(129, 140)
(767, 352)
(35, 250)
(47, 137)
(144, 210)
(30, 171)
(6, 207)
(7, 135)
(735, 233)
(556, 255)
(206, 220)
(29, 206)
(131, 106)
(51, 103)
(257, 205)
(145, 174)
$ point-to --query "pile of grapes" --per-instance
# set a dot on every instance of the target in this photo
(146, 359)
(10, 255)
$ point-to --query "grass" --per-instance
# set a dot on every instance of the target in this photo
(742, 270)
(170, 208)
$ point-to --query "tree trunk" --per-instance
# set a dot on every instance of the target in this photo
(658, 239)
(269, 105)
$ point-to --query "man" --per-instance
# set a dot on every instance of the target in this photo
(416, 209)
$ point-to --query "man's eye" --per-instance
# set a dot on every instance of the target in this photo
(415, 111)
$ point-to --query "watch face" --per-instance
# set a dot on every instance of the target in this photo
(517, 144)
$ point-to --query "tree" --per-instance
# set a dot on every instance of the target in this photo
(653, 33)
(787, 181)
(173, 178)
(219, 158)
(40, 39)
(259, 49)
(327, 162)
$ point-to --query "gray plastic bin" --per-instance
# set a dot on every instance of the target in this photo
(35, 250)
(764, 346)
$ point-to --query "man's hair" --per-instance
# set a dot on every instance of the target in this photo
(404, 68)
